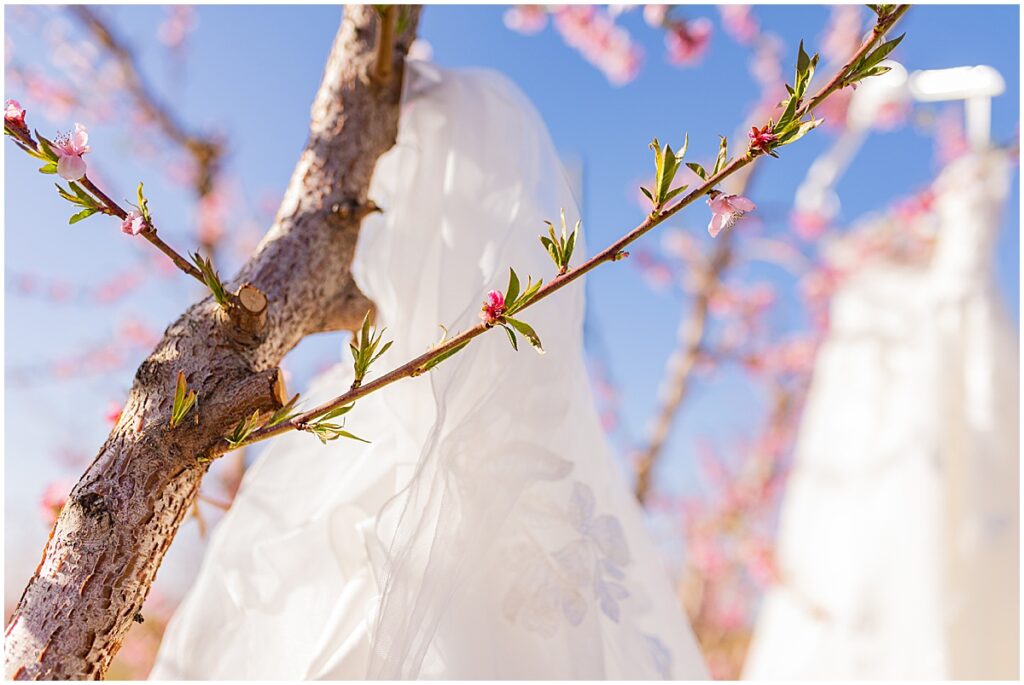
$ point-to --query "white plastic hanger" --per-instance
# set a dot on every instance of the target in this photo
(976, 86)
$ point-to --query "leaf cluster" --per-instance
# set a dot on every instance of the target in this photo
(184, 400)
(325, 430)
(560, 247)
(868, 65)
(666, 164)
(210, 277)
(366, 348)
(250, 424)
(80, 198)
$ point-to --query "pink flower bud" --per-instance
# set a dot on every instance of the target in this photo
(494, 307)
(133, 223)
(14, 115)
(726, 211)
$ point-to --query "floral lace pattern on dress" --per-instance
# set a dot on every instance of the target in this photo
(561, 585)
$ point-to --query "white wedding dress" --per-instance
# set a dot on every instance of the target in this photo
(486, 532)
(898, 541)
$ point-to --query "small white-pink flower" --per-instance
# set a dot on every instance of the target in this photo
(133, 223)
(69, 148)
(726, 211)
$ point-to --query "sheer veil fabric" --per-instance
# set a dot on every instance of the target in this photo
(899, 536)
(486, 532)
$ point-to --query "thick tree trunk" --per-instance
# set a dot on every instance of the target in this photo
(109, 540)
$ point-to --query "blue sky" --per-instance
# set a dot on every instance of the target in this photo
(251, 72)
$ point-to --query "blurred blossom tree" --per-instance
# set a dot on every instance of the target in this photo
(213, 384)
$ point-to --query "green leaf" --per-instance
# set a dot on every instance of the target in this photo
(336, 412)
(881, 52)
(524, 298)
(658, 160)
(512, 291)
(364, 347)
(211, 278)
(511, 337)
(698, 169)
(84, 198)
(84, 214)
(382, 350)
(673, 193)
(797, 132)
(434, 361)
(143, 204)
(874, 71)
(285, 413)
(527, 332)
(682, 152)
(244, 429)
(642, 190)
(66, 194)
(570, 244)
(330, 431)
(46, 148)
(350, 436)
(803, 71)
(49, 168)
(184, 400)
(723, 154)
(551, 247)
(786, 120)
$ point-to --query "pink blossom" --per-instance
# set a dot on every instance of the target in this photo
(527, 19)
(809, 224)
(601, 42)
(213, 209)
(655, 15)
(950, 141)
(687, 41)
(494, 307)
(113, 413)
(133, 223)
(657, 273)
(834, 110)
(14, 115)
(69, 148)
(761, 139)
(739, 22)
(726, 211)
(175, 28)
(766, 64)
(843, 34)
(760, 562)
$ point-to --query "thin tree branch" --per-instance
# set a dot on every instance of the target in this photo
(613, 252)
(383, 64)
(680, 365)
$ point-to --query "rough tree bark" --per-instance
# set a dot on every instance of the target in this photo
(108, 542)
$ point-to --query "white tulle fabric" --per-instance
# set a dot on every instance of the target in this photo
(486, 532)
(899, 531)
